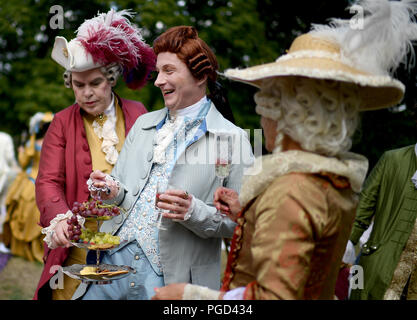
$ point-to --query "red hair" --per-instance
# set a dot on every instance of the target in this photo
(190, 49)
(200, 60)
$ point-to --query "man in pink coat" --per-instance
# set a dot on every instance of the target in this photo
(89, 134)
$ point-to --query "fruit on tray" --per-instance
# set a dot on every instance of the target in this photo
(95, 209)
(98, 238)
(74, 229)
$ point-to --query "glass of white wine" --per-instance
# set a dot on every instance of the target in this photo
(160, 189)
(223, 159)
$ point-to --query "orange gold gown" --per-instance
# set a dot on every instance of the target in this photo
(21, 230)
(290, 239)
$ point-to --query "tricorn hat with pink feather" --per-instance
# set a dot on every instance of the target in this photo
(105, 39)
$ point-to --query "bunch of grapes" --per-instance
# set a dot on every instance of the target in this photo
(95, 209)
(74, 229)
(77, 234)
(88, 236)
(92, 209)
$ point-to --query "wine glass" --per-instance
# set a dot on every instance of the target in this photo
(223, 160)
(160, 189)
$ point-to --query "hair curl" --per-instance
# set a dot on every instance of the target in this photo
(321, 115)
(112, 72)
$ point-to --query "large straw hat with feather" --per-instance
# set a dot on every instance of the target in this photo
(340, 51)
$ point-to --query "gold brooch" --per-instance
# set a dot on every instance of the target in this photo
(101, 118)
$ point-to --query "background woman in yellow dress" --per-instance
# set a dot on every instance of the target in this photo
(22, 234)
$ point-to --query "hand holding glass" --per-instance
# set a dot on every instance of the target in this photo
(227, 202)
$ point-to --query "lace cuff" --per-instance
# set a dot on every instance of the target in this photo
(108, 178)
(49, 231)
(194, 292)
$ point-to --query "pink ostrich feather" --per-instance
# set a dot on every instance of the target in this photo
(112, 38)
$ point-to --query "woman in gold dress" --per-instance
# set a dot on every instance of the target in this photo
(22, 232)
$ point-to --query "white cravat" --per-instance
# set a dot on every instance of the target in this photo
(166, 134)
(108, 134)
(190, 111)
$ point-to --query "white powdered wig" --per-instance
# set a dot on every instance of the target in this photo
(383, 42)
(321, 115)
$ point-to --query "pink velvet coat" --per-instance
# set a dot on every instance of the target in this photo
(65, 166)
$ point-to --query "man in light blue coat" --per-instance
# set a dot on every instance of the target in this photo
(176, 147)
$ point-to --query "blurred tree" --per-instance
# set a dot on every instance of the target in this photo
(241, 32)
(30, 80)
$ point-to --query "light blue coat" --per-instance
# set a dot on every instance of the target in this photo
(189, 250)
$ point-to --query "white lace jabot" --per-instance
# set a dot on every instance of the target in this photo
(166, 134)
(108, 134)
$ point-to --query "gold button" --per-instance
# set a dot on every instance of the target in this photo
(132, 284)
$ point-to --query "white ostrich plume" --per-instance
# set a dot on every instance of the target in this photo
(377, 41)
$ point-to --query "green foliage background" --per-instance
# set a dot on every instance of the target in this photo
(241, 32)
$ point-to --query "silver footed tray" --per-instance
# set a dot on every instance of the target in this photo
(91, 273)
